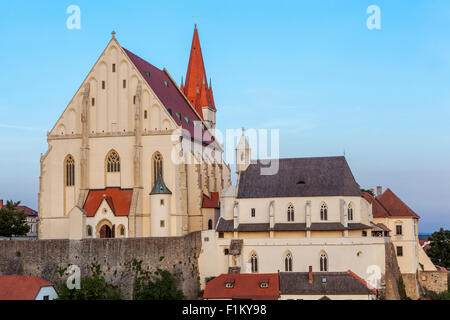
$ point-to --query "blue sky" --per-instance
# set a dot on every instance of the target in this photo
(310, 68)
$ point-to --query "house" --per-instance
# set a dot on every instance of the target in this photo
(32, 219)
(26, 288)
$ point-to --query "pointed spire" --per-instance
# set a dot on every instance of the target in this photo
(160, 186)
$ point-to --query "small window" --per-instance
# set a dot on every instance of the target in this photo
(93, 101)
(203, 126)
(264, 285)
(122, 231)
(290, 213)
(89, 231)
(253, 212)
(166, 84)
(170, 111)
(147, 73)
(46, 297)
(103, 84)
(399, 251)
(186, 119)
(145, 114)
(229, 285)
(364, 233)
(124, 84)
(114, 67)
(134, 99)
(178, 115)
(350, 212)
(210, 224)
(221, 235)
(323, 212)
(162, 202)
(323, 262)
(226, 252)
(162, 223)
(398, 230)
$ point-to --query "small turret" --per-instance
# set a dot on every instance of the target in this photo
(243, 154)
(160, 208)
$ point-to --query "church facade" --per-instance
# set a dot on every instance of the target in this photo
(133, 154)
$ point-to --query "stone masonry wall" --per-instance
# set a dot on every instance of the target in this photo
(436, 281)
(46, 259)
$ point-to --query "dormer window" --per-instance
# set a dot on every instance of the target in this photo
(147, 73)
(166, 84)
(178, 115)
(229, 283)
(264, 284)
(186, 119)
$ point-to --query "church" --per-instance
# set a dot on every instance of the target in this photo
(133, 154)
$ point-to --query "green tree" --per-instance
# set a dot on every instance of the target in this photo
(439, 252)
(92, 287)
(12, 221)
(159, 287)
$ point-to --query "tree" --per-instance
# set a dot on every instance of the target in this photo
(439, 251)
(92, 287)
(12, 221)
(159, 287)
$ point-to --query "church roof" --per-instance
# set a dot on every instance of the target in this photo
(119, 200)
(299, 177)
(160, 187)
(196, 87)
(171, 97)
(212, 202)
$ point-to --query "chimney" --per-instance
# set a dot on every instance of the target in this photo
(1, 204)
(310, 275)
(379, 191)
(373, 191)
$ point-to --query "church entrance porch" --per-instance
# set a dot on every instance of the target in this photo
(105, 230)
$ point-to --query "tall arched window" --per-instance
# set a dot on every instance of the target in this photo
(323, 261)
(113, 162)
(323, 212)
(290, 212)
(254, 262)
(157, 166)
(210, 224)
(350, 211)
(69, 164)
(288, 262)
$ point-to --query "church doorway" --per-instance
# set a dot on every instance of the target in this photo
(106, 232)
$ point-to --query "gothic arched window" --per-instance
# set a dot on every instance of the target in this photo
(288, 262)
(323, 261)
(157, 166)
(89, 231)
(323, 212)
(113, 162)
(254, 262)
(69, 164)
(290, 212)
(210, 224)
(350, 211)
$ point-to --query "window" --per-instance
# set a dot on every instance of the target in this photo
(178, 115)
(186, 119)
(323, 212)
(242, 156)
(70, 171)
(157, 166)
(147, 73)
(254, 262)
(46, 297)
(364, 233)
(288, 262)
(399, 251)
(124, 84)
(210, 224)
(122, 230)
(290, 212)
(350, 212)
(134, 99)
(166, 83)
(145, 114)
(253, 212)
(89, 231)
(229, 285)
(103, 84)
(221, 235)
(161, 202)
(162, 223)
(398, 230)
(93, 101)
(113, 162)
(114, 67)
(226, 252)
(323, 262)
(264, 284)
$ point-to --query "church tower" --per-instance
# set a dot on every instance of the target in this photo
(243, 154)
(196, 88)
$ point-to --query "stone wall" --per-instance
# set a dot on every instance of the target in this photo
(436, 281)
(411, 285)
(392, 275)
(47, 258)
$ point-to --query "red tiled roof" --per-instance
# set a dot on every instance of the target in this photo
(246, 286)
(196, 85)
(170, 96)
(395, 206)
(21, 287)
(212, 202)
(28, 211)
(378, 211)
(119, 200)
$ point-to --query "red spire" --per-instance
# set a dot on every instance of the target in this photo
(196, 87)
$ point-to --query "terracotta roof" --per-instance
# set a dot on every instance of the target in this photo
(299, 177)
(395, 206)
(212, 202)
(21, 287)
(170, 96)
(28, 211)
(378, 211)
(196, 85)
(119, 200)
(245, 286)
(324, 283)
